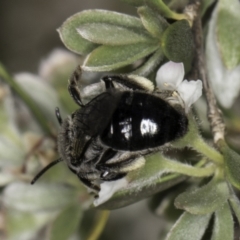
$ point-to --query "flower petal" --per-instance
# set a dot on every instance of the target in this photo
(108, 189)
(190, 92)
(170, 75)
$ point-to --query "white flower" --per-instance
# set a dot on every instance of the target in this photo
(170, 77)
(108, 189)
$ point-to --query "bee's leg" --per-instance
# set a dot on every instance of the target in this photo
(118, 169)
(129, 82)
(73, 86)
(87, 182)
(108, 80)
(111, 176)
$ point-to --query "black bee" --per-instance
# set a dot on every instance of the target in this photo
(106, 137)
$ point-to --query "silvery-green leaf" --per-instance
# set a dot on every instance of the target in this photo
(6, 178)
(75, 42)
(11, 145)
(71, 38)
(11, 153)
(66, 223)
(223, 224)
(38, 197)
(226, 82)
(228, 32)
(8, 125)
(109, 58)
(204, 200)
(143, 183)
(58, 64)
(189, 227)
(150, 64)
(153, 22)
(42, 94)
(232, 164)
(56, 70)
(110, 34)
(177, 42)
(162, 204)
(24, 225)
(235, 204)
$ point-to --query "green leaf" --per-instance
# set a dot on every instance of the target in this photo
(6, 77)
(223, 224)
(25, 225)
(55, 69)
(204, 200)
(228, 32)
(71, 38)
(75, 42)
(235, 204)
(232, 164)
(6, 178)
(162, 204)
(41, 93)
(148, 66)
(189, 227)
(12, 153)
(135, 3)
(109, 58)
(110, 34)
(19, 223)
(153, 22)
(66, 223)
(177, 42)
(44, 197)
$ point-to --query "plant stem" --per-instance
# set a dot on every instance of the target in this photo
(165, 11)
(177, 167)
(201, 146)
(39, 116)
(99, 226)
(214, 114)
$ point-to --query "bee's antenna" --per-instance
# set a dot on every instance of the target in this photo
(45, 169)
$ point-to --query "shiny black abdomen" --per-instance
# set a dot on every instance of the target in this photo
(142, 121)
